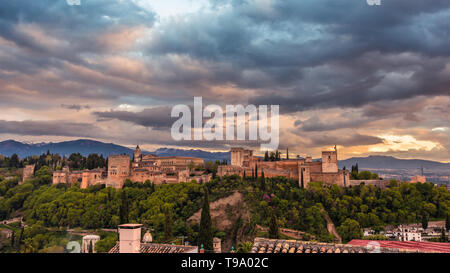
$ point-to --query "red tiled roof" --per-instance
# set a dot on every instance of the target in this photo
(160, 248)
(407, 245)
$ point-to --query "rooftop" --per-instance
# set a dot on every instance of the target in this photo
(263, 245)
(160, 248)
(408, 245)
(130, 226)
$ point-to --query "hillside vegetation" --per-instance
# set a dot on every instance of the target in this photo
(166, 208)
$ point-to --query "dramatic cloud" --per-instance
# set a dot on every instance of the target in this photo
(50, 128)
(158, 117)
(343, 72)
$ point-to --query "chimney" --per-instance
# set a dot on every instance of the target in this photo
(130, 238)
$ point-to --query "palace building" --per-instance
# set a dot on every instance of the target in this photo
(143, 167)
(303, 170)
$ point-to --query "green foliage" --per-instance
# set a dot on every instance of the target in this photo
(168, 225)
(363, 175)
(45, 206)
(244, 247)
(205, 235)
(106, 242)
(350, 230)
(376, 237)
(274, 232)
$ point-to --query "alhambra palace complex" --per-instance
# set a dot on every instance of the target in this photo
(169, 170)
(159, 170)
(302, 170)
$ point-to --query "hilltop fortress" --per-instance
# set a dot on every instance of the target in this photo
(177, 169)
(158, 170)
(304, 170)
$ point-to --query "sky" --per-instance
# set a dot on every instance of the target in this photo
(373, 80)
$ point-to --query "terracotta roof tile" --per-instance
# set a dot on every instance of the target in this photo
(159, 248)
(263, 245)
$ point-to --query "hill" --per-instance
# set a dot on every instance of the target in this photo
(392, 163)
(82, 146)
(86, 147)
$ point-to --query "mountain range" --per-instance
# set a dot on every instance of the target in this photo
(389, 162)
(86, 147)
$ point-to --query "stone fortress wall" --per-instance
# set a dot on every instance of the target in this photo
(304, 170)
(143, 167)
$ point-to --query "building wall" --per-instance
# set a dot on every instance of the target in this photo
(28, 172)
(329, 162)
(382, 184)
(93, 177)
(60, 177)
(241, 157)
(118, 170)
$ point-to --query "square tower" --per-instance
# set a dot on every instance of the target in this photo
(130, 238)
(329, 162)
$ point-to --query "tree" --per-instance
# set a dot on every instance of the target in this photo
(302, 178)
(266, 156)
(263, 182)
(350, 230)
(443, 236)
(256, 171)
(12, 238)
(274, 232)
(168, 225)
(447, 223)
(14, 161)
(287, 153)
(244, 247)
(124, 208)
(91, 250)
(424, 220)
(205, 235)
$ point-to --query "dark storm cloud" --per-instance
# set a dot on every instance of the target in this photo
(50, 128)
(77, 107)
(158, 117)
(352, 139)
(315, 124)
(290, 44)
(73, 23)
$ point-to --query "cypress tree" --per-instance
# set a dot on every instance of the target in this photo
(443, 236)
(256, 171)
(447, 223)
(287, 153)
(18, 242)
(273, 227)
(302, 178)
(205, 236)
(12, 238)
(266, 156)
(424, 220)
(124, 210)
(90, 247)
(168, 225)
(263, 182)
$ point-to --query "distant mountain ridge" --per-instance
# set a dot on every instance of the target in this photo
(82, 146)
(389, 162)
(86, 147)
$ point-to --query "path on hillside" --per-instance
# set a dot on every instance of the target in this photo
(330, 226)
(10, 221)
(292, 233)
